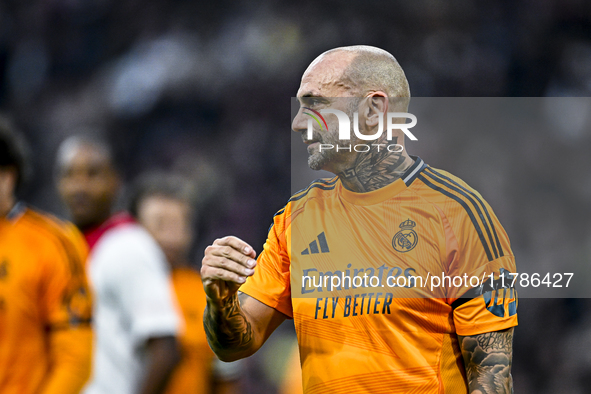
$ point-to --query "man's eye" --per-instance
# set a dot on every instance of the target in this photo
(312, 102)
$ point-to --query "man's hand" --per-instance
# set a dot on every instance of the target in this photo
(236, 325)
(226, 265)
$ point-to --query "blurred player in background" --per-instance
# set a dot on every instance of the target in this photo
(454, 340)
(45, 303)
(136, 322)
(164, 204)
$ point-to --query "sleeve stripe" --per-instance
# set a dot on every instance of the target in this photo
(498, 244)
(466, 207)
(471, 200)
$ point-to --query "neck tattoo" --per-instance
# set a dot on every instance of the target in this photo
(374, 170)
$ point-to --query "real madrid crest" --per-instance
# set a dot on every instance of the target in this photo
(406, 239)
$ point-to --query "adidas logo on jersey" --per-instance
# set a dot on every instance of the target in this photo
(313, 249)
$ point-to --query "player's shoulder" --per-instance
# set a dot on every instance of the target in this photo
(317, 189)
(46, 225)
(441, 187)
(469, 216)
(59, 241)
(41, 220)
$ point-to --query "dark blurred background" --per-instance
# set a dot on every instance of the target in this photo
(203, 88)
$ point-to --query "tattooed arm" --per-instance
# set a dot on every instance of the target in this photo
(236, 324)
(488, 359)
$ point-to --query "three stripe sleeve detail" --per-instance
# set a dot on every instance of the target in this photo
(465, 197)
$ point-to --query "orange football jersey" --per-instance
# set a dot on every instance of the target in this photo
(45, 306)
(386, 325)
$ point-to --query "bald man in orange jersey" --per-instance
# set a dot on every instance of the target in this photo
(385, 215)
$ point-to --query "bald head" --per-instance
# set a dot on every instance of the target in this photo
(361, 69)
(74, 143)
(365, 83)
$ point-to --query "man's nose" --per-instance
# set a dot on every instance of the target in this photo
(79, 182)
(300, 122)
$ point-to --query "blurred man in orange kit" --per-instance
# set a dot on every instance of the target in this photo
(45, 303)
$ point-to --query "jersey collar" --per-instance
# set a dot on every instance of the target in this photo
(413, 172)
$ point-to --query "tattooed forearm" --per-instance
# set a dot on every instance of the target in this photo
(488, 359)
(375, 169)
(227, 328)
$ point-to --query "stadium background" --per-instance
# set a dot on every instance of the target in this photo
(204, 88)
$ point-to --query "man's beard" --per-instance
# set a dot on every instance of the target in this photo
(318, 160)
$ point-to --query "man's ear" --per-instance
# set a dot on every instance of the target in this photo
(376, 106)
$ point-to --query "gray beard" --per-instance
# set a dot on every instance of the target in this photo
(319, 159)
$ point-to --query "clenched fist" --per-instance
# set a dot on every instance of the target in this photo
(225, 266)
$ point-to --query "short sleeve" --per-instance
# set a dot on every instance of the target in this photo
(270, 283)
(481, 256)
(494, 310)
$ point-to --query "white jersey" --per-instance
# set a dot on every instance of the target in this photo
(133, 302)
